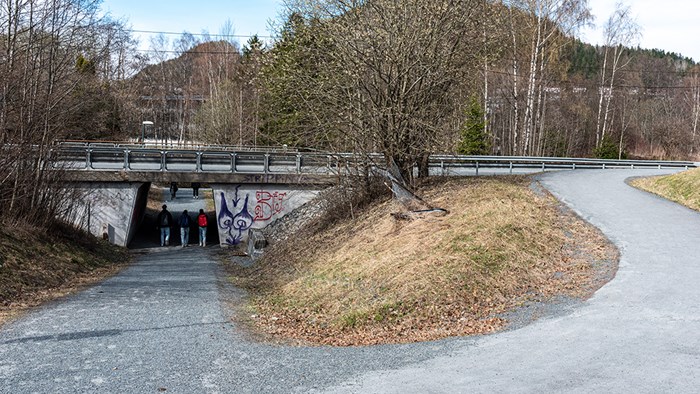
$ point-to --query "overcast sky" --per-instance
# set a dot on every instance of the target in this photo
(671, 25)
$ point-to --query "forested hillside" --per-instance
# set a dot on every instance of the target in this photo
(406, 78)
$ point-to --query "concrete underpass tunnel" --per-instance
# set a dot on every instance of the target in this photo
(147, 234)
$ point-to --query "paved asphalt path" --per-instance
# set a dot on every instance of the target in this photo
(162, 325)
(638, 334)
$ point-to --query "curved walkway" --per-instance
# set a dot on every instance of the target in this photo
(639, 333)
(162, 325)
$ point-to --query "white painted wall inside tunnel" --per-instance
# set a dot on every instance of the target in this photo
(107, 209)
(240, 208)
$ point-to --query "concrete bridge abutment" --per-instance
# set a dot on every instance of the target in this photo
(115, 210)
(110, 210)
(242, 208)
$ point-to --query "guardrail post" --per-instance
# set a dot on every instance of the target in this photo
(88, 158)
(632, 166)
(442, 167)
(233, 162)
(603, 165)
(298, 163)
(510, 168)
(543, 168)
(126, 159)
(199, 162)
(573, 166)
(267, 163)
(163, 167)
(477, 168)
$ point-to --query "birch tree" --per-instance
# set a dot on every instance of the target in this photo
(692, 98)
(549, 25)
(620, 29)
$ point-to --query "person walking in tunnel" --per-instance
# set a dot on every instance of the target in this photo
(173, 190)
(202, 222)
(195, 189)
(164, 222)
(184, 221)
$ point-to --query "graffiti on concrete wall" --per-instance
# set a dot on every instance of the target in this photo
(269, 204)
(235, 224)
(236, 219)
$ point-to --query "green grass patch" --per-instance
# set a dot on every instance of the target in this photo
(683, 188)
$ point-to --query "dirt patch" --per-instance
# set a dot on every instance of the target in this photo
(39, 265)
(375, 279)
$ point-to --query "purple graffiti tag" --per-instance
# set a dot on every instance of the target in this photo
(225, 219)
(242, 222)
(235, 225)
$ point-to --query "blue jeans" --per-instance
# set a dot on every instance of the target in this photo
(164, 236)
(185, 235)
(202, 236)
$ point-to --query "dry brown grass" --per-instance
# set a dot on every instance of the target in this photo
(38, 265)
(378, 280)
(683, 188)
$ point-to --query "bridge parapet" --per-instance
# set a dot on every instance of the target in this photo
(100, 163)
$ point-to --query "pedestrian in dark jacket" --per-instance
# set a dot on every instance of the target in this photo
(184, 222)
(195, 189)
(173, 190)
(164, 221)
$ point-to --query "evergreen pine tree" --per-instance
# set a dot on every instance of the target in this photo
(474, 138)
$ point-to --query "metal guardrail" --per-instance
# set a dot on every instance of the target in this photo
(129, 158)
(446, 162)
(97, 157)
(172, 145)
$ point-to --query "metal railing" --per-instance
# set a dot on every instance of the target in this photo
(447, 162)
(136, 158)
(98, 157)
(173, 145)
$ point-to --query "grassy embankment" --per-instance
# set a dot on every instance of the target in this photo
(376, 279)
(683, 188)
(39, 265)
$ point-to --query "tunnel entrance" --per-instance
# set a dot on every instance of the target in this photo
(147, 234)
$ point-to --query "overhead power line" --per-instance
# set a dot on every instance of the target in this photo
(558, 83)
(198, 34)
(189, 52)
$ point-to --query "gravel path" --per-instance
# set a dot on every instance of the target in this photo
(160, 326)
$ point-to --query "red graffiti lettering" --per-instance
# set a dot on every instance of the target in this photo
(269, 204)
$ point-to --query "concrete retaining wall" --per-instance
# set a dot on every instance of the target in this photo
(240, 208)
(111, 210)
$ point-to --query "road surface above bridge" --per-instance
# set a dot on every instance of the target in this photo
(163, 324)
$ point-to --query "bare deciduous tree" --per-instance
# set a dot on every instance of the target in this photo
(620, 29)
(41, 41)
(395, 72)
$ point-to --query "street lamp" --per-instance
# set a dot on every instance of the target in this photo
(143, 130)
